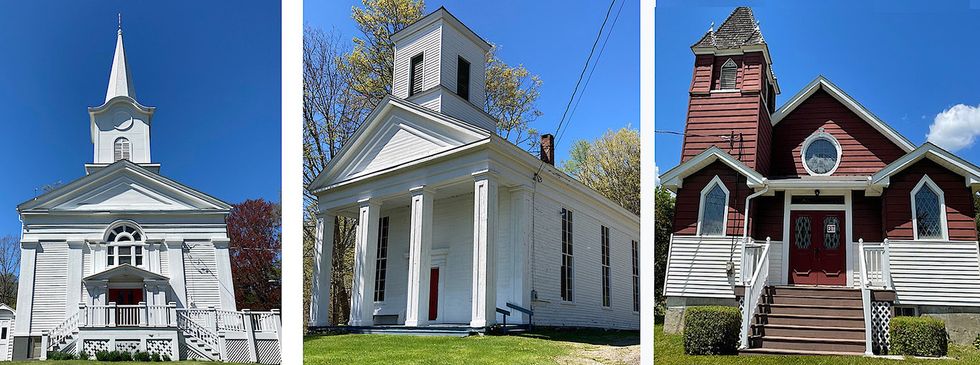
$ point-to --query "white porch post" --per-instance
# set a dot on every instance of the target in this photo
(175, 253)
(484, 231)
(25, 287)
(75, 273)
(419, 258)
(365, 253)
(521, 210)
(222, 259)
(322, 271)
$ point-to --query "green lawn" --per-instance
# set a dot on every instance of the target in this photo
(669, 350)
(544, 347)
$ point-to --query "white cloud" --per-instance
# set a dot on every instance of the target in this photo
(656, 175)
(955, 128)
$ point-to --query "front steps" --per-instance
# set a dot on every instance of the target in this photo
(808, 320)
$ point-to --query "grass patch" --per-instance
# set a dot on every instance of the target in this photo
(540, 347)
(669, 350)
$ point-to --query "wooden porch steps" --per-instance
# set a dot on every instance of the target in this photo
(808, 320)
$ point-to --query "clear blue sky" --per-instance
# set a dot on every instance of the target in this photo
(861, 48)
(552, 42)
(212, 71)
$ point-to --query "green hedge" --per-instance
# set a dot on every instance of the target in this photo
(918, 336)
(712, 330)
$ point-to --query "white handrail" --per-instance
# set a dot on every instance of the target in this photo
(865, 299)
(756, 285)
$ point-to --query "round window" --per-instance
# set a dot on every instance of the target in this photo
(820, 155)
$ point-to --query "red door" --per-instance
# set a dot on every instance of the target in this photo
(433, 293)
(817, 247)
(126, 296)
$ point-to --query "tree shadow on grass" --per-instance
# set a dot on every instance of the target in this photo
(586, 336)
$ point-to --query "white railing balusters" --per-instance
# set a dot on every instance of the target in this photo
(755, 286)
(865, 297)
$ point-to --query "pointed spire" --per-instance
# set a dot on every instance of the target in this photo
(120, 81)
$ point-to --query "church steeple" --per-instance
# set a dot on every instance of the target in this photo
(121, 125)
(120, 81)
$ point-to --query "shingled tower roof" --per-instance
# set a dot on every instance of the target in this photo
(740, 29)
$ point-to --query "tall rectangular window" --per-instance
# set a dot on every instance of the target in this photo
(415, 76)
(381, 270)
(636, 276)
(605, 266)
(566, 255)
(463, 78)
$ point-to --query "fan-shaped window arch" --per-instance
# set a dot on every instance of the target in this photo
(713, 210)
(928, 211)
(121, 149)
(729, 72)
(124, 244)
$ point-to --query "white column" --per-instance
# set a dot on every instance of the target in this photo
(75, 273)
(322, 271)
(521, 210)
(419, 258)
(484, 230)
(365, 254)
(175, 252)
(222, 261)
(25, 287)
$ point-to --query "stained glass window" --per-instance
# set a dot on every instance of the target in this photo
(831, 233)
(820, 156)
(927, 210)
(802, 232)
(713, 213)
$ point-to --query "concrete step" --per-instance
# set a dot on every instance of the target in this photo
(811, 320)
(807, 344)
(812, 310)
(821, 291)
(808, 331)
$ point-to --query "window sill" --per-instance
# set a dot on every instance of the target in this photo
(724, 91)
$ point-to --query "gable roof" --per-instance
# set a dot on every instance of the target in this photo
(382, 134)
(441, 13)
(124, 185)
(822, 83)
(125, 270)
(674, 178)
(738, 30)
(935, 153)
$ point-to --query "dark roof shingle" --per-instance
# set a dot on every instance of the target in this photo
(740, 29)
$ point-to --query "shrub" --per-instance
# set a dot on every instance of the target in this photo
(141, 356)
(83, 355)
(712, 330)
(58, 355)
(918, 336)
(155, 357)
(124, 356)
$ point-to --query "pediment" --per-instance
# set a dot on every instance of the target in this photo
(397, 134)
(123, 186)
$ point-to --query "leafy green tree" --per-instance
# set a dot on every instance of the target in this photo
(373, 58)
(664, 202)
(610, 165)
(511, 96)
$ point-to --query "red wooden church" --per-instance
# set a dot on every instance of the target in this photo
(816, 218)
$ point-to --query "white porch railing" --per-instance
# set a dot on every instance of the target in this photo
(875, 273)
(120, 315)
(755, 274)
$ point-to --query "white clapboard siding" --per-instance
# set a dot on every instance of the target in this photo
(50, 286)
(427, 42)
(454, 45)
(936, 273)
(402, 146)
(164, 261)
(696, 267)
(201, 275)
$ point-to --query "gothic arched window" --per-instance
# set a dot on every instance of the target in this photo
(728, 73)
(714, 209)
(121, 149)
(928, 211)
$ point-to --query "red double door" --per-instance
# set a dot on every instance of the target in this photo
(817, 248)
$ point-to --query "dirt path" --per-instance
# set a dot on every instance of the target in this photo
(585, 354)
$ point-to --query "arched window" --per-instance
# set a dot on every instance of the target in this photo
(821, 153)
(713, 209)
(728, 73)
(121, 149)
(928, 211)
(124, 245)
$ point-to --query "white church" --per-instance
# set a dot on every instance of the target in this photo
(459, 229)
(126, 259)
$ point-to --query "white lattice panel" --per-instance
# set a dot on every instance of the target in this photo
(881, 313)
(188, 352)
(93, 346)
(237, 350)
(129, 346)
(159, 347)
(268, 351)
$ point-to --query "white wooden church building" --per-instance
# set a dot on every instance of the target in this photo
(458, 226)
(126, 259)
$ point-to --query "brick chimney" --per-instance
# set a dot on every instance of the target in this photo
(548, 149)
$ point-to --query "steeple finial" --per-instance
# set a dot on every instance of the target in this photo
(712, 27)
(120, 81)
(120, 23)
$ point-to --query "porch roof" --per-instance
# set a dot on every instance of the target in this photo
(674, 178)
(124, 271)
(938, 155)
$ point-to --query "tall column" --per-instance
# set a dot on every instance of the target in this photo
(322, 271)
(521, 210)
(75, 274)
(175, 252)
(484, 230)
(25, 287)
(222, 260)
(365, 254)
(419, 258)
